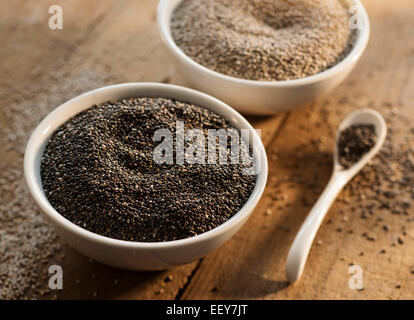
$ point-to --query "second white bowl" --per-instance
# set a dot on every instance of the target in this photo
(261, 97)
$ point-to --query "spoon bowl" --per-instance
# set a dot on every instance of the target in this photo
(300, 248)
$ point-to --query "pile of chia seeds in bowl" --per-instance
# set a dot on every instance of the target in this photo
(99, 171)
(265, 40)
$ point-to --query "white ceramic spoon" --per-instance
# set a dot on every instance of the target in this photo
(299, 250)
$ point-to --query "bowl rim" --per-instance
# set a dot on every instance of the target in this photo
(41, 134)
(360, 43)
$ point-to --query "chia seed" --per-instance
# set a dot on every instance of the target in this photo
(98, 171)
(265, 40)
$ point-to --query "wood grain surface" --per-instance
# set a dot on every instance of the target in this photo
(108, 41)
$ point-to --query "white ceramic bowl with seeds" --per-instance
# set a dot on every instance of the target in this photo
(139, 255)
(262, 97)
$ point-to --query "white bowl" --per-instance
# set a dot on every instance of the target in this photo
(138, 255)
(261, 97)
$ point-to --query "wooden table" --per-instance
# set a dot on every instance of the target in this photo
(108, 41)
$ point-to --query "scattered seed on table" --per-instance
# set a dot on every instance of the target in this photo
(214, 289)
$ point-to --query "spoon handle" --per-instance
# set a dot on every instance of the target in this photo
(300, 248)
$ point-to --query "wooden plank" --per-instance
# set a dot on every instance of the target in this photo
(251, 265)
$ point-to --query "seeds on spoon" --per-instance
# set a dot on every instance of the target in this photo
(354, 142)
